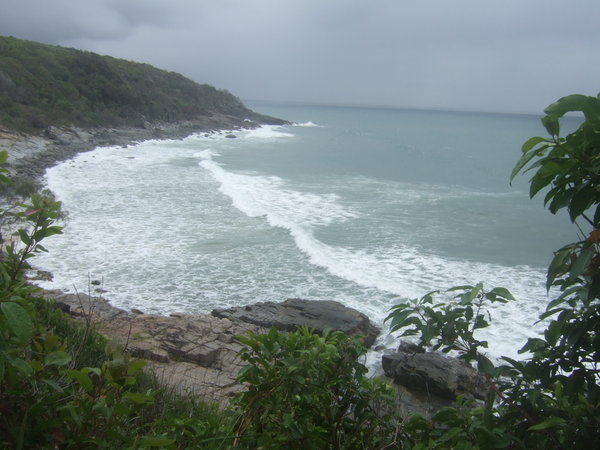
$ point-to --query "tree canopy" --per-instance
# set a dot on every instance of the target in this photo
(43, 85)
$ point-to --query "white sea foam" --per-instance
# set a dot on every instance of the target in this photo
(206, 154)
(308, 124)
(402, 270)
(267, 132)
(259, 196)
(156, 222)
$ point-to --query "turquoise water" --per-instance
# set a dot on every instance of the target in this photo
(365, 206)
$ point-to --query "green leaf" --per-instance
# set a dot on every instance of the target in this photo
(549, 313)
(502, 292)
(553, 332)
(468, 296)
(399, 318)
(53, 384)
(463, 287)
(582, 262)
(570, 103)
(57, 358)
(548, 423)
(484, 365)
(18, 320)
(139, 399)
(538, 183)
(135, 366)
(532, 142)
(551, 124)
(523, 162)
(22, 366)
(25, 239)
(558, 265)
(581, 200)
(516, 364)
(82, 378)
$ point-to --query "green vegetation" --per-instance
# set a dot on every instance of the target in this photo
(42, 85)
(551, 399)
(310, 392)
(63, 386)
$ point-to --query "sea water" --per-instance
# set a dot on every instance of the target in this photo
(365, 206)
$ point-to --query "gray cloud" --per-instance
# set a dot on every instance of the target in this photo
(507, 55)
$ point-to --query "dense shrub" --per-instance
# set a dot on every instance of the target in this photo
(308, 391)
(550, 399)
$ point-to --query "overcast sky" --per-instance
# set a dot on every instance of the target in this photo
(479, 55)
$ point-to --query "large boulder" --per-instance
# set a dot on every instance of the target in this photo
(316, 314)
(434, 374)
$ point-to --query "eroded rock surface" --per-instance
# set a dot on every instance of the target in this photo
(316, 314)
(198, 354)
(192, 353)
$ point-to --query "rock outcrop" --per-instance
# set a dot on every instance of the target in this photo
(199, 353)
(427, 381)
(316, 314)
(196, 354)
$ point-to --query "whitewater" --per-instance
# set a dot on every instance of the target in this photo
(366, 206)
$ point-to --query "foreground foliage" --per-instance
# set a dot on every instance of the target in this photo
(61, 384)
(550, 399)
(308, 391)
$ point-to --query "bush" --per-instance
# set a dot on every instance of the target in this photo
(552, 398)
(61, 385)
(308, 391)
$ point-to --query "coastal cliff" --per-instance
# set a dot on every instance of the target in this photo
(56, 102)
(44, 85)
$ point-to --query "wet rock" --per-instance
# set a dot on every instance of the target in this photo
(84, 306)
(434, 374)
(316, 314)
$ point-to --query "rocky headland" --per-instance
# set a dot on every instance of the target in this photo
(30, 155)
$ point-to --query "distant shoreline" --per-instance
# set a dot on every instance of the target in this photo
(30, 156)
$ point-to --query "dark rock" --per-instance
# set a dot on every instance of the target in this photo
(230, 136)
(409, 347)
(435, 374)
(39, 275)
(85, 306)
(316, 314)
(64, 307)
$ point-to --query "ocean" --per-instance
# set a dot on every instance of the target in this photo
(365, 206)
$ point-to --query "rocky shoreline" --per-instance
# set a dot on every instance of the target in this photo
(198, 354)
(29, 156)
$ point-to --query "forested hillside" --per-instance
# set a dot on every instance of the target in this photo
(42, 85)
